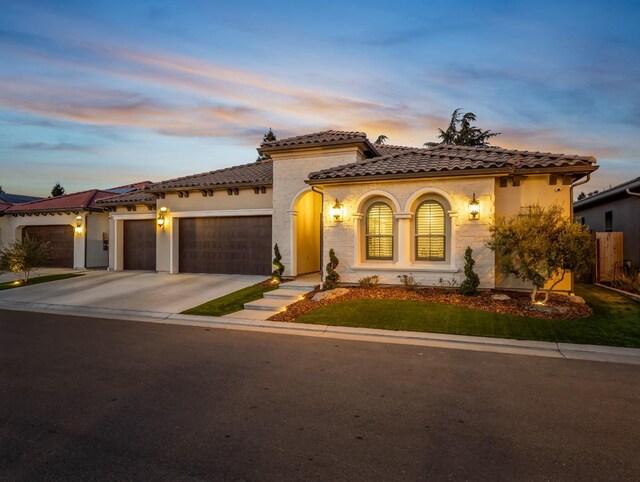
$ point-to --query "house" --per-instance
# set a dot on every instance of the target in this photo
(615, 210)
(74, 225)
(385, 210)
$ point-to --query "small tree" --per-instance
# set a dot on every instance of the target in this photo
(461, 133)
(332, 278)
(469, 285)
(541, 245)
(21, 257)
(278, 267)
(57, 190)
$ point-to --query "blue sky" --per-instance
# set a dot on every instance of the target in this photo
(98, 94)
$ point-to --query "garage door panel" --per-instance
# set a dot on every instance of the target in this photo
(229, 245)
(139, 240)
(60, 238)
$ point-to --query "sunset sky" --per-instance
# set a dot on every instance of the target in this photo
(98, 94)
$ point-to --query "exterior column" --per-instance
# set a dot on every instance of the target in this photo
(404, 239)
(357, 242)
(293, 247)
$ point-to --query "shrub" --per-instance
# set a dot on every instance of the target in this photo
(369, 281)
(469, 286)
(541, 245)
(629, 281)
(278, 267)
(408, 282)
(332, 278)
(448, 285)
(22, 256)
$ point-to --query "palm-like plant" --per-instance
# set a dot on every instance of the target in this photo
(381, 140)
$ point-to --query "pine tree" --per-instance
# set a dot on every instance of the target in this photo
(57, 190)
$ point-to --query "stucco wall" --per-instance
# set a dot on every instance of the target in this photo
(532, 190)
(347, 236)
(97, 224)
(290, 170)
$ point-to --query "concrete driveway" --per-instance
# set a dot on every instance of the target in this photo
(132, 290)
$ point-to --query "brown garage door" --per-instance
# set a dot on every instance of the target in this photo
(60, 240)
(139, 240)
(231, 245)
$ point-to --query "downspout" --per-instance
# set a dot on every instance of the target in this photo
(575, 184)
(319, 191)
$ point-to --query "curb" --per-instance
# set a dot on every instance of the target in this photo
(597, 353)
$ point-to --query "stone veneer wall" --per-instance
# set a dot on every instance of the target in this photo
(341, 236)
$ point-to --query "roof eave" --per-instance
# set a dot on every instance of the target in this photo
(213, 187)
(367, 146)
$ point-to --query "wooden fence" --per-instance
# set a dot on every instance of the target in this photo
(609, 256)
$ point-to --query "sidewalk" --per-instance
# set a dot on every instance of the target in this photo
(438, 340)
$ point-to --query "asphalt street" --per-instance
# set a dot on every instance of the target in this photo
(100, 399)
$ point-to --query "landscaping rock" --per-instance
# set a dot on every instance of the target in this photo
(500, 297)
(549, 309)
(330, 294)
(577, 299)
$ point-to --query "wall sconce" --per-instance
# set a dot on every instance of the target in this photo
(337, 211)
(161, 214)
(474, 208)
(78, 228)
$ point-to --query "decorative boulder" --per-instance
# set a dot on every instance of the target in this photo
(500, 297)
(329, 294)
(577, 299)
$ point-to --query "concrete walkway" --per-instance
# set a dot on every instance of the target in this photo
(475, 343)
(131, 290)
(276, 301)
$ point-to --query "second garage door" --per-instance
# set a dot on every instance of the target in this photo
(139, 244)
(230, 245)
(60, 238)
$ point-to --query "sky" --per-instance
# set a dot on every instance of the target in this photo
(97, 94)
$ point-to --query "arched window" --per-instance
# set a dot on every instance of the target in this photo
(430, 231)
(379, 231)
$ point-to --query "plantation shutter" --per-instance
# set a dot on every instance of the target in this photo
(379, 231)
(430, 231)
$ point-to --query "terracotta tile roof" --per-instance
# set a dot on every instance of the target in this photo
(323, 138)
(4, 206)
(406, 161)
(255, 174)
(77, 201)
(134, 197)
(137, 186)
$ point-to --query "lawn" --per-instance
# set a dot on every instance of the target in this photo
(232, 302)
(39, 279)
(615, 321)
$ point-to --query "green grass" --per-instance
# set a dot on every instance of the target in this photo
(230, 303)
(39, 279)
(615, 321)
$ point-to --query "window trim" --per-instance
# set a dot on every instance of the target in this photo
(368, 236)
(443, 236)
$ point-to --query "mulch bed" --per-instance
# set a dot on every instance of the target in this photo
(519, 304)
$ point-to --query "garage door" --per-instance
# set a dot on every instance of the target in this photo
(231, 245)
(60, 240)
(139, 240)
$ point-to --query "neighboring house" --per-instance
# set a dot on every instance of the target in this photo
(74, 226)
(385, 210)
(6, 198)
(615, 210)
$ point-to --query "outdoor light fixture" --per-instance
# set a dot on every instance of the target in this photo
(474, 208)
(78, 229)
(337, 211)
(161, 214)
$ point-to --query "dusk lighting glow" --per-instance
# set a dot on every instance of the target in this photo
(101, 94)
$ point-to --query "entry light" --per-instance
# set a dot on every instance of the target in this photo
(161, 215)
(337, 211)
(474, 208)
(78, 228)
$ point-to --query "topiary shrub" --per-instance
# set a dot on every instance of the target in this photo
(332, 278)
(278, 267)
(369, 281)
(469, 286)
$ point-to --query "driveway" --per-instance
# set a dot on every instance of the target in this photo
(133, 290)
